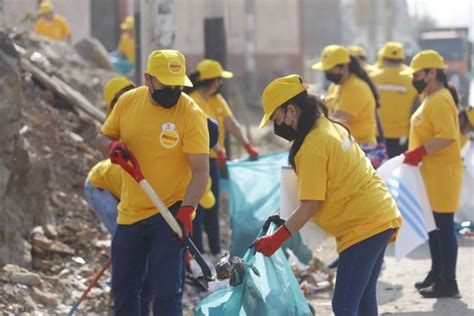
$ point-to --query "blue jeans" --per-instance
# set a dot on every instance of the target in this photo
(209, 218)
(444, 247)
(150, 241)
(104, 204)
(357, 274)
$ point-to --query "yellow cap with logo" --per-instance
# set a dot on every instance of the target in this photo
(278, 92)
(169, 67)
(357, 51)
(426, 59)
(128, 23)
(208, 200)
(112, 87)
(45, 7)
(393, 50)
(331, 56)
(210, 69)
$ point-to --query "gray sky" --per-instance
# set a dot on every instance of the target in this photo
(446, 12)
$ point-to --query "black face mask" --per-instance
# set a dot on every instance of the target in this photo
(167, 97)
(419, 85)
(336, 78)
(284, 131)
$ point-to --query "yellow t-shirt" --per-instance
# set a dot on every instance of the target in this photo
(57, 29)
(331, 97)
(217, 109)
(107, 176)
(397, 96)
(160, 139)
(442, 171)
(127, 47)
(355, 201)
(356, 98)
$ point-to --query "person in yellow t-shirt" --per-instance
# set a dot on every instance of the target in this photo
(357, 98)
(434, 142)
(361, 55)
(207, 80)
(51, 25)
(167, 132)
(398, 99)
(126, 45)
(338, 189)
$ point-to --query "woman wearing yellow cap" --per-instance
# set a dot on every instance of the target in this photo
(51, 25)
(434, 142)
(338, 189)
(167, 132)
(126, 44)
(357, 98)
(207, 81)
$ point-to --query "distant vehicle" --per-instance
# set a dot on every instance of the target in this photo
(453, 44)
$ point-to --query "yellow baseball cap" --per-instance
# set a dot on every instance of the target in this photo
(357, 51)
(331, 56)
(45, 7)
(169, 67)
(393, 50)
(278, 92)
(426, 59)
(112, 87)
(208, 200)
(128, 23)
(210, 69)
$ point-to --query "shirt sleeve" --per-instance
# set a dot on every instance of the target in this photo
(312, 177)
(111, 126)
(352, 100)
(225, 110)
(443, 120)
(196, 134)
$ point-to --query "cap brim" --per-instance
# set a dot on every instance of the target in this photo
(265, 120)
(227, 74)
(318, 66)
(407, 71)
(176, 81)
(208, 200)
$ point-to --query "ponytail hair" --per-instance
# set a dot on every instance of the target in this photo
(311, 110)
(443, 78)
(194, 77)
(356, 69)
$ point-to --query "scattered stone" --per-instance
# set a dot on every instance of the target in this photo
(61, 248)
(27, 278)
(42, 242)
(50, 231)
(45, 298)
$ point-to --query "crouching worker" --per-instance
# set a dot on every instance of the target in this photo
(167, 132)
(338, 189)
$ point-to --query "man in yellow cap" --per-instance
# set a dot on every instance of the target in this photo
(126, 45)
(167, 132)
(51, 25)
(398, 98)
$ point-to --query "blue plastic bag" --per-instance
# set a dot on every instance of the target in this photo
(274, 293)
(254, 190)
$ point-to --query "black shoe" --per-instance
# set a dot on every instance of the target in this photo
(441, 288)
(430, 279)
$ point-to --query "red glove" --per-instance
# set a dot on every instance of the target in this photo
(415, 156)
(221, 159)
(184, 216)
(253, 152)
(270, 243)
(117, 147)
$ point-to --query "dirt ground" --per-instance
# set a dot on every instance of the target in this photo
(398, 296)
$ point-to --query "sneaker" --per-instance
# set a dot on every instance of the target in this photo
(430, 279)
(441, 288)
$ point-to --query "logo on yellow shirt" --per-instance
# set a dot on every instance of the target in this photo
(169, 136)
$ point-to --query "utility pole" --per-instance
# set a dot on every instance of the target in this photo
(250, 63)
(155, 26)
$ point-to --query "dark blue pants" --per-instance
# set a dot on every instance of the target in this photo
(209, 218)
(133, 246)
(357, 274)
(444, 246)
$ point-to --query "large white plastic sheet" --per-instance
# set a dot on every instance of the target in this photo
(407, 188)
(311, 234)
